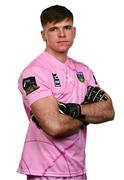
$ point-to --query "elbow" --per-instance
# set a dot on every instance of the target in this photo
(53, 131)
(111, 111)
(112, 114)
(58, 131)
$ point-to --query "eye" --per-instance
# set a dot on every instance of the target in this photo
(53, 29)
(68, 27)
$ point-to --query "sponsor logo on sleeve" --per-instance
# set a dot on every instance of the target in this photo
(29, 85)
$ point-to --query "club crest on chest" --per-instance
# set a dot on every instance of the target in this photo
(80, 77)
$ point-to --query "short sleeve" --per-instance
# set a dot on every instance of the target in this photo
(34, 84)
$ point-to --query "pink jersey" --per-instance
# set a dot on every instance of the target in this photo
(42, 154)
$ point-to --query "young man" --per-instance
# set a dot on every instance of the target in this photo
(61, 97)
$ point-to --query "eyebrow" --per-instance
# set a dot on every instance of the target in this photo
(56, 27)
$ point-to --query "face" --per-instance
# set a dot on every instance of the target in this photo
(59, 36)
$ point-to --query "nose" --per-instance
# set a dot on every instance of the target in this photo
(61, 32)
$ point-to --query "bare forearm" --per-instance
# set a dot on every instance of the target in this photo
(52, 121)
(67, 125)
(60, 125)
(98, 112)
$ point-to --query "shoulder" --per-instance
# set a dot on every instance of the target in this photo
(36, 66)
(33, 76)
(35, 71)
(78, 64)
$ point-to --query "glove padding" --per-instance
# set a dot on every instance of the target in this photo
(95, 94)
(34, 119)
(72, 109)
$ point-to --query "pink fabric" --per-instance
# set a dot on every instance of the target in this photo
(82, 177)
(43, 155)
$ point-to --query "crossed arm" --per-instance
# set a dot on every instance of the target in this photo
(55, 124)
(98, 112)
(51, 120)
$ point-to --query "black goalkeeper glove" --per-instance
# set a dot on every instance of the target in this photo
(95, 94)
(35, 120)
(71, 109)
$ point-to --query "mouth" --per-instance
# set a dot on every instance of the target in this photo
(62, 41)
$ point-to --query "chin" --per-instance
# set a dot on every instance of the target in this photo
(63, 50)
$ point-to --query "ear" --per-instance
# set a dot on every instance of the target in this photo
(74, 30)
(43, 35)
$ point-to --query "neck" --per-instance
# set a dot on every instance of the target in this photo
(61, 56)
